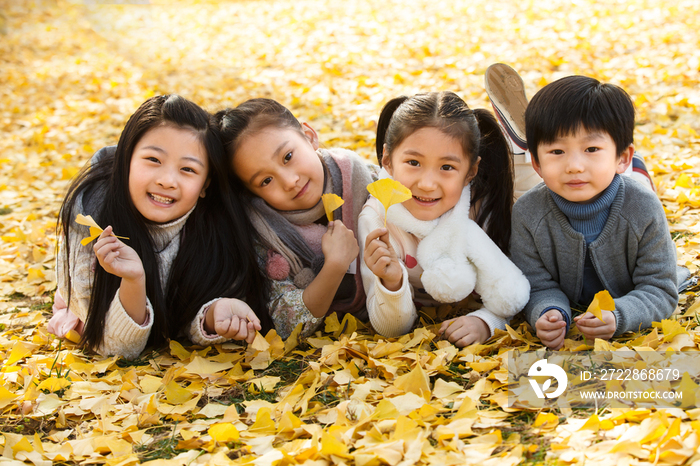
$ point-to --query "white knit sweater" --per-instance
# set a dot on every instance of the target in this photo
(122, 336)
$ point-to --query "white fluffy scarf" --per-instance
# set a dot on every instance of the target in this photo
(458, 257)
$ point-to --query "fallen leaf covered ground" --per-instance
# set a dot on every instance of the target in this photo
(71, 74)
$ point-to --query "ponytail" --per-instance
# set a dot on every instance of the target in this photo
(383, 123)
(493, 185)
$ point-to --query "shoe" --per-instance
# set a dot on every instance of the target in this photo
(507, 93)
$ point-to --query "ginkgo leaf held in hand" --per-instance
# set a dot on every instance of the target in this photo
(389, 192)
(330, 203)
(602, 301)
(95, 229)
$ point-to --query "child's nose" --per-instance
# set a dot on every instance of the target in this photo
(166, 179)
(427, 182)
(290, 180)
(575, 163)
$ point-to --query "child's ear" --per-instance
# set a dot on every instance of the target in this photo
(473, 170)
(203, 192)
(310, 135)
(625, 159)
(536, 166)
(386, 161)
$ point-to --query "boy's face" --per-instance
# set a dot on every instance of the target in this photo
(579, 167)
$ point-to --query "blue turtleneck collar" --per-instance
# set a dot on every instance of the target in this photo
(589, 219)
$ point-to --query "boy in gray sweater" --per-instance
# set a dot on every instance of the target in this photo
(586, 228)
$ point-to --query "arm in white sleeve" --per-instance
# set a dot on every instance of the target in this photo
(392, 313)
(492, 320)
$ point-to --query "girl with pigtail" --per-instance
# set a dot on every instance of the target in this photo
(451, 237)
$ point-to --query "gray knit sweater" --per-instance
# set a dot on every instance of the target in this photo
(634, 256)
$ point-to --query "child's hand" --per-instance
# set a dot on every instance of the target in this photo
(232, 318)
(465, 330)
(551, 329)
(592, 327)
(339, 245)
(382, 260)
(117, 258)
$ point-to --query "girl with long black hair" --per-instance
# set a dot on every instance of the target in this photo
(186, 263)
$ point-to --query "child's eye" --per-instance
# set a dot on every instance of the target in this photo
(447, 167)
(592, 149)
(266, 181)
(153, 159)
(557, 151)
(288, 157)
(189, 170)
(413, 163)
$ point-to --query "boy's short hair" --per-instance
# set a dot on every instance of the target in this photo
(562, 107)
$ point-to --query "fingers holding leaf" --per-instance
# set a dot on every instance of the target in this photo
(95, 229)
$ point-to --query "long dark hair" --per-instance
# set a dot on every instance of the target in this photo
(479, 135)
(216, 233)
(217, 257)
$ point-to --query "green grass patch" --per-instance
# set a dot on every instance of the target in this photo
(288, 369)
(164, 445)
(144, 360)
(16, 296)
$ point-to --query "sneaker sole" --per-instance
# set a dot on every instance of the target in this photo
(507, 93)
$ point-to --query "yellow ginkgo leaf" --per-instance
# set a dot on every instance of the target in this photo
(95, 229)
(19, 351)
(6, 397)
(54, 384)
(546, 421)
(224, 432)
(330, 203)
(389, 192)
(684, 181)
(602, 301)
(593, 423)
(175, 394)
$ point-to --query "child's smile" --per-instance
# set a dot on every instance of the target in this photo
(303, 191)
(426, 202)
(161, 200)
(433, 166)
(168, 173)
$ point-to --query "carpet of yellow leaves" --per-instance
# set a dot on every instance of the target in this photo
(73, 71)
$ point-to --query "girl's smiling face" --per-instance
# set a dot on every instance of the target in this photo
(281, 166)
(168, 173)
(434, 167)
